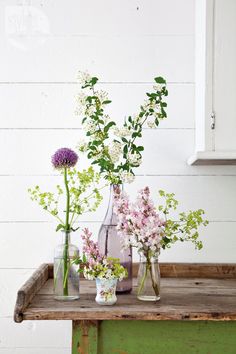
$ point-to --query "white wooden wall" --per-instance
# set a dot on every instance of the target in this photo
(126, 44)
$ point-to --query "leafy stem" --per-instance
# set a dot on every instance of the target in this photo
(67, 225)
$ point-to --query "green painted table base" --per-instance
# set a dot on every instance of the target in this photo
(154, 337)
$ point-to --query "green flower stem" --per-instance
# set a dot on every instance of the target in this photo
(67, 230)
(148, 268)
(154, 284)
(143, 280)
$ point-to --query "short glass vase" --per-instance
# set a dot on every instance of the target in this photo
(106, 291)
(66, 275)
(148, 282)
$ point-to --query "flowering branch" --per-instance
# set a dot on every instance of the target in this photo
(113, 149)
(141, 226)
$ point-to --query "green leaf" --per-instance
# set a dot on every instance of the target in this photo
(108, 126)
(94, 80)
(59, 227)
(160, 80)
(124, 140)
(156, 122)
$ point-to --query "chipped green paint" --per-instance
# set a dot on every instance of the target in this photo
(157, 337)
(84, 338)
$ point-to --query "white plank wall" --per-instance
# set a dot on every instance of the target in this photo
(126, 44)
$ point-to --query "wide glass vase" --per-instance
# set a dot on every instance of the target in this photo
(148, 282)
(109, 242)
(66, 275)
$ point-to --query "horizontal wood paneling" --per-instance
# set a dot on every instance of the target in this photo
(123, 42)
(219, 240)
(34, 350)
(215, 194)
(40, 238)
(87, 17)
(43, 334)
(111, 58)
(53, 105)
(166, 152)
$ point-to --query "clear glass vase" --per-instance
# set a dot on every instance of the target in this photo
(109, 243)
(148, 282)
(66, 276)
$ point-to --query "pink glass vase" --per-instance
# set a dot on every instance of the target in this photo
(110, 245)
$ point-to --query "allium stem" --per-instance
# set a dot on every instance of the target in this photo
(67, 226)
(67, 230)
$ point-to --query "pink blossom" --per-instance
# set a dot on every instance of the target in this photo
(139, 224)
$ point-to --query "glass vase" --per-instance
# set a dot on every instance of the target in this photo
(106, 291)
(109, 242)
(148, 282)
(66, 276)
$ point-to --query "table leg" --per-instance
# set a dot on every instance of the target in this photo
(154, 337)
(84, 337)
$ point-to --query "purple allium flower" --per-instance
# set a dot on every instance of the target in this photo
(64, 158)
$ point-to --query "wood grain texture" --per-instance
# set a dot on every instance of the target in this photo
(182, 298)
(187, 270)
(27, 292)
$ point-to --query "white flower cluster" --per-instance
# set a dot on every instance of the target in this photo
(82, 145)
(150, 105)
(83, 77)
(103, 269)
(81, 103)
(102, 95)
(151, 124)
(115, 151)
(121, 132)
(158, 87)
(134, 159)
(90, 125)
(126, 177)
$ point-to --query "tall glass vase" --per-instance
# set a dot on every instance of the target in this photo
(66, 276)
(110, 245)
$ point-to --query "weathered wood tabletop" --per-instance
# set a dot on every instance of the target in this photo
(189, 292)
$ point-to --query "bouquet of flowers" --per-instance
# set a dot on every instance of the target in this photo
(81, 195)
(97, 266)
(113, 149)
(105, 270)
(141, 226)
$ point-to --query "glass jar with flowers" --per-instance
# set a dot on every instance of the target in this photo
(141, 226)
(107, 271)
(79, 194)
(114, 150)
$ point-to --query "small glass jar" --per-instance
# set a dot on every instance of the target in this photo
(66, 275)
(106, 291)
(148, 282)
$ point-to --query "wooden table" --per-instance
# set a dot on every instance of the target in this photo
(196, 313)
